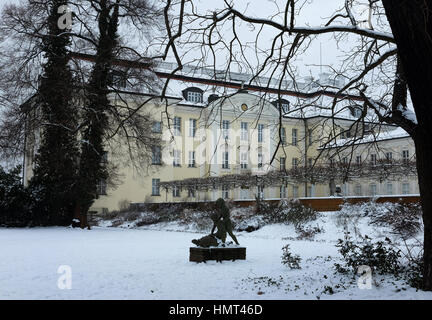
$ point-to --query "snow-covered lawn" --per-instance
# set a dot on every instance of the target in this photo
(152, 263)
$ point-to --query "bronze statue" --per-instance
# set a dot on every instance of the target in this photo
(223, 224)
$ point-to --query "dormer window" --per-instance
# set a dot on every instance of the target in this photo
(282, 104)
(285, 107)
(117, 79)
(193, 95)
(356, 112)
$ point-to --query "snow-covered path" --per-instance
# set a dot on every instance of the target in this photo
(114, 263)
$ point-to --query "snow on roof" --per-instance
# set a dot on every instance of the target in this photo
(388, 134)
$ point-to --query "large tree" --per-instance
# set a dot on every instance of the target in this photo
(56, 166)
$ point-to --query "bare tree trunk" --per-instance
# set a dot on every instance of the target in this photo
(411, 23)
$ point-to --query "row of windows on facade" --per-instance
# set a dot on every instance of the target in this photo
(244, 135)
(373, 158)
(389, 189)
(225, 191)
(244, 159)
(283, 190)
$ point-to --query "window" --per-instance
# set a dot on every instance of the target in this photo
(118, 79)
(225, 128)
(310, 191)
(282, 192)
(373, 189)
(104, 158)
(244, 131)
(389, 156)
(285, 107)
(283, 136)
(357, 112)
(157, 127)
(294, 137)
(345, 189)
(260, 193)
(176, 158)
(194, 96)
(310, 136)
(225, 160)
(294, 163)
(191, 193)
(345, 160)
(244, 193)
(295, 191)
(389, 188)
(373, 159)
(260, 132)
(191, 159)
(244, 160)
(358, 190)
(342, 134)
(260, 160)
(405, 156)
(177, 126)
(358, 160)
(156, 155)
(225, 192)
(310, 162)
(155, 187)
(282, 163)
(405, 188)
(102, 187)
(192, 127)
(176, 192)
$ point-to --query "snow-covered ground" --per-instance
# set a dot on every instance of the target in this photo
(152, 263)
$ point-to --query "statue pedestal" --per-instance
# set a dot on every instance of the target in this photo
(199, 254)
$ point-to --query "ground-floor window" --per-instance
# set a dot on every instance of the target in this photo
(405, 188)
(176, 191)
(283, 193)
(155, 187)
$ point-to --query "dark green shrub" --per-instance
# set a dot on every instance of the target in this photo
(290, 260)
(379, 256)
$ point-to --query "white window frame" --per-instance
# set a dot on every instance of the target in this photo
(225, 128)
(295, 192)
(294, 133)
(157, 127)
(260, 133)
(244, 131)
(191, 163)
(225, 192)
(389, 188)
(176, 158)
(283, 192)
(405, 156)
(294, 163)
(244, 160)
(406, 188)
(192, 127)
(176, 192)
(225, 159)
(194, 96)
(155, 187)
(283, 136)
(177, 126)
(373, 189)
(260, 160)
(156, 155)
